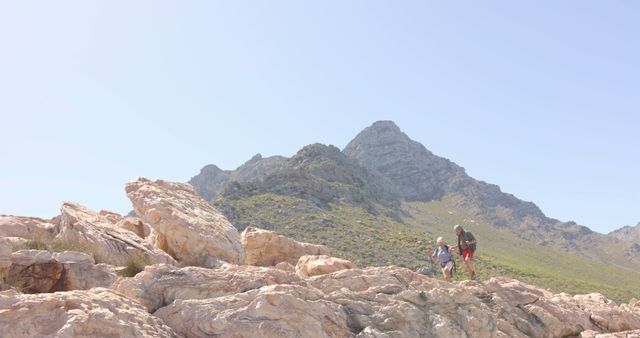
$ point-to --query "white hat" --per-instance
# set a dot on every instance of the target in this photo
(457, 226)
(440, 240)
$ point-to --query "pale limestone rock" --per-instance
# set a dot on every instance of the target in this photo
(268, 248)
(27, 227)
(159, 285)
(606, 314)
(396, 302)
(34, 271)
(110, 244)
(39, 271)
(271, 311)
(185, 225)
(94, 313)
(81, 272)
(622, 334)
(285, 266)
(134, 225)
(242, 301)
(535, 312)
(314, 265)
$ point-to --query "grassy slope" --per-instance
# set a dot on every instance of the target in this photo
(528, 261)
(369, 240)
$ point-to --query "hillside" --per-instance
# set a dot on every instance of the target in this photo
(368, 202)
(366, 239)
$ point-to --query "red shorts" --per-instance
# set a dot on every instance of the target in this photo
(467, 253)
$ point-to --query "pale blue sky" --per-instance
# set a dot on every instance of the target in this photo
(539, 97)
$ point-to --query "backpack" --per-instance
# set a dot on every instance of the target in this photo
(469, 236)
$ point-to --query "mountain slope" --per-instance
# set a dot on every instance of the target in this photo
(366, 239)
(421, 176)
(359, 202)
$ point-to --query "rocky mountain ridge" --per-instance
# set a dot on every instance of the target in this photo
(219, 282)
(627, 233)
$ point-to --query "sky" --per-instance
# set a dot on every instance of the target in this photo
(539, 97)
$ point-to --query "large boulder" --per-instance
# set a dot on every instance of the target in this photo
(34, 271)
(110, 244)
(94, 313)
(27, 227)
(185, 225)
(271, 311)
(314, 265)
(38, 271)
(161, 284)
(81, 273)
(268, 248)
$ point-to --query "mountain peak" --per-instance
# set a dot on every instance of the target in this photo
(385, 125)
(380, 132)
(418, 173)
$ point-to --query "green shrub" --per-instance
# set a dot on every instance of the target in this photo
(135, 264)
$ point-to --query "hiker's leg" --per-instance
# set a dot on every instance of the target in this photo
(447, 274)
(472, 270)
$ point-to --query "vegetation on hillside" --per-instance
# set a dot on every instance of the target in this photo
(373, 239)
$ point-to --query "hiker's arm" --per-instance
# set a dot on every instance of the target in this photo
(453, 249)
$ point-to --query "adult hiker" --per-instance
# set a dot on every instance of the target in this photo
(443, 253)
(466, 248)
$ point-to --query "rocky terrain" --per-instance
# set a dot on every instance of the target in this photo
(627, 233)
(203, 278)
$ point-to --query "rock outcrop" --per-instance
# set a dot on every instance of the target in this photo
(81, 273)
(34, 271)
(186, 226)
(94, 313)
(622, 334)
(268, 248)
(315, 265)
(27, 227)
(39, 271)
(395, 302)
(271, 311)
(109, 244)
(159, 285)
